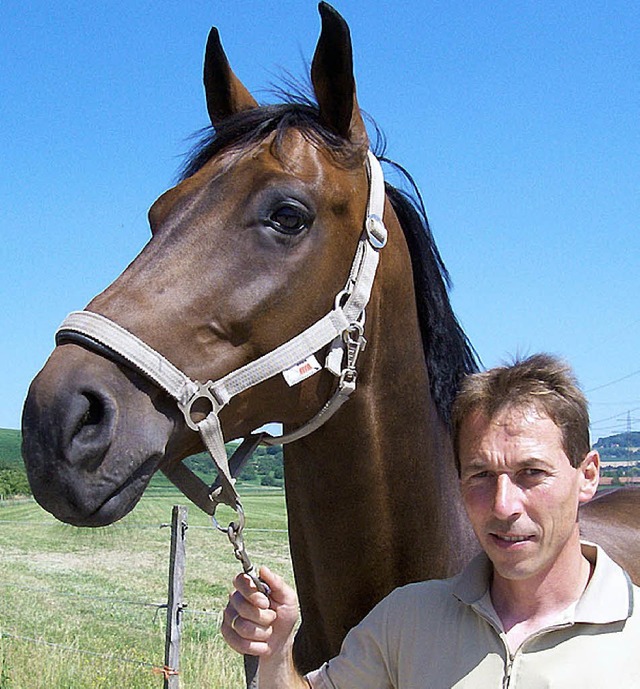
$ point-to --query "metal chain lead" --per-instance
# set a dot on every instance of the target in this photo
(239, 550)
(235, 534)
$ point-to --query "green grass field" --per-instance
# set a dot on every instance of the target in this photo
(78, 607)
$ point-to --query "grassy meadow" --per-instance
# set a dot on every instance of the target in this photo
(78, 607)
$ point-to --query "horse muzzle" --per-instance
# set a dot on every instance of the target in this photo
(92, 437)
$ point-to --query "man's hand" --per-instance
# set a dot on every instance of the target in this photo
(255, 624)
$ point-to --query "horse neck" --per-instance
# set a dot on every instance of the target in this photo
(372, 496)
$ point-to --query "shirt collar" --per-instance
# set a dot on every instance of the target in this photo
(473, 582)
(609, 593)
(607, 598)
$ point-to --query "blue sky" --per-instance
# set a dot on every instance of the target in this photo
(518, 120)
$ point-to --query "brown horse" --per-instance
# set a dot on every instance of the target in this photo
(248, 250)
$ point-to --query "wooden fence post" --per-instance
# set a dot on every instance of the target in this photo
(174, 601)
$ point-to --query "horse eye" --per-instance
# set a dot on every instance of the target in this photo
(289, 219)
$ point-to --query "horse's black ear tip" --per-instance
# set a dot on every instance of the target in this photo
(331, 18)
(214, 35)
(327, 10)
(213, 49)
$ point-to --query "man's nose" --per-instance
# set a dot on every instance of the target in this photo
(507, 502)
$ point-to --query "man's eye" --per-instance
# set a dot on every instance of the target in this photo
(533, 474)
(478, 475)
(289, 219)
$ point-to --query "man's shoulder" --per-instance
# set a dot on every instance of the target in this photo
(429, 585)
(432, 593)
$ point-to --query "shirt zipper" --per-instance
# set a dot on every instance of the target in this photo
(506, 680)
(507, 671)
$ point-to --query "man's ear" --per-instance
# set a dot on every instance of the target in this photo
(589, 476)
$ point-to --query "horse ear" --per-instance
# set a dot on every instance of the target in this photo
(332, 78)
(226, 95)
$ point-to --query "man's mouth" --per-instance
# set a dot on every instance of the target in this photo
(510, 538)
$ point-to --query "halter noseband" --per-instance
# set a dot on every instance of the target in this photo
(342, 328)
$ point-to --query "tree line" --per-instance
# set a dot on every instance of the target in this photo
(13, 481)
(265, 468)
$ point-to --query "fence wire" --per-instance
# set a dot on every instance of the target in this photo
(158, 669)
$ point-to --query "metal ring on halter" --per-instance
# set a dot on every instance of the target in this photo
(237, 526)
(354, 334)
(203, 392)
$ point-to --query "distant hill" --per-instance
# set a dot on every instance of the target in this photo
(13, 477)
(631, 439)
(10, 441)
(621, 446)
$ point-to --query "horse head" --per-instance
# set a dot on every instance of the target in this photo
(248, 250)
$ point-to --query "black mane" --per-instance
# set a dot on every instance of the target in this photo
(447, 350)
(448, 353)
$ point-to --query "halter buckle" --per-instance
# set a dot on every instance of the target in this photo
(355, 342)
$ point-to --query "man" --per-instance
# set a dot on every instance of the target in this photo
(537, 608)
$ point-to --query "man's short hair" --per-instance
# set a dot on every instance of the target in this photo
(542, 381)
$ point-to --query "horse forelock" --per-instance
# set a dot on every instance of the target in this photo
(448, 354)
(248, 128)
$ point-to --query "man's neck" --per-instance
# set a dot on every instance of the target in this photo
(528, 605)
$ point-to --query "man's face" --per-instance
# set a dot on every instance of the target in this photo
(520, 491)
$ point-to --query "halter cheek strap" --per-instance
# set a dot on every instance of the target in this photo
(342, 328)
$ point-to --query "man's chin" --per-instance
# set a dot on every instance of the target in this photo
(515, 562)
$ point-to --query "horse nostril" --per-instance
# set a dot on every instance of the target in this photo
(94, 412)
(92, 432)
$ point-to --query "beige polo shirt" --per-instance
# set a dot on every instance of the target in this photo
(446, 633)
